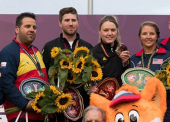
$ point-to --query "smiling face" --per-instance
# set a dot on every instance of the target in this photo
(148, 36)
(69, 24)
(108, 32)
(26, 33)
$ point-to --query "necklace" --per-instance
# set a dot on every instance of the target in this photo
(106, 52)
(149, 62)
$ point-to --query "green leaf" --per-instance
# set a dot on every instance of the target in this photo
(31, 95)
(47, 91)
(66, 51)
(76, 60)
(51, 69)
(49, 109)
(89, 59)
(63, 73)
(167, 87)
(164, 66)
(168, 60)
(70, 57)
(57, 60)
(63, 56)
(81, 53)
(52, 81)
(42, 103)
(46, 100)
(164, 81)
(86, 74)
(54, 96)
(158, 72)
(78, 79)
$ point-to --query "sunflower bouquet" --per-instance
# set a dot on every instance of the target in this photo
(78, 67)
(164, 74)
(50, 100)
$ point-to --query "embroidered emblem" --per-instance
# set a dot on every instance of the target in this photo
(104, 58)
(26, 62)
(157, 61)
(139, 63)
(3, 64)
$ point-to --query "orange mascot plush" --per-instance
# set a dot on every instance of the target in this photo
(131, 105)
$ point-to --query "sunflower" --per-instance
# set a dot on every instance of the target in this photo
(66, 64)
(81, 51)
(96, 64)
(63, 101)
(96, 74)
(34, 104)
(71, 78)
(79, 66)
(168, 69)
(55, 91)
(168, 81)
(59, 110)
(160, 75)
(54, 52)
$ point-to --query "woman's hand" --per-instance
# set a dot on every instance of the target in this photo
(125, 57)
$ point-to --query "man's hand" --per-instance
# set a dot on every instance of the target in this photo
(29, 107)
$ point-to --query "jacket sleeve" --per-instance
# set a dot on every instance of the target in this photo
(9, 66)
(46, 57)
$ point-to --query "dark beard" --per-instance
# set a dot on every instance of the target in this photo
(69, 34)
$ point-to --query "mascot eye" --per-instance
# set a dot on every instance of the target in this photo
(133, 116)
(119, 117)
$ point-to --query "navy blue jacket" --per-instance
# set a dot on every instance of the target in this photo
(165, 43)
(158, 58)
(12, 52)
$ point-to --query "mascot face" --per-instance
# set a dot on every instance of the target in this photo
(130, 105)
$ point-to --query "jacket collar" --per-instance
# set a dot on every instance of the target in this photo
(165, 41)
(77, 36)
(160, 50)
(108, 46)
(22, 45)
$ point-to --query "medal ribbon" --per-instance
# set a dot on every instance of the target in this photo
(149, 62)
(65, 46)
(106, 52)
